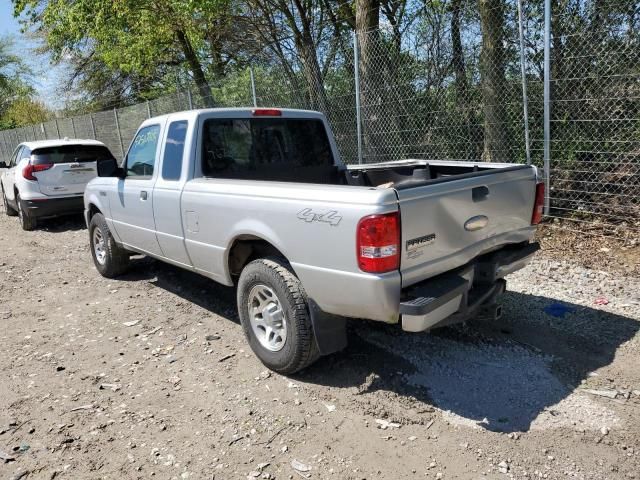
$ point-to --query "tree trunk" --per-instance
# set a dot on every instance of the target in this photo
(367, 35)
(493, 80)
(196, 69)
(460, 71)
(312, 72)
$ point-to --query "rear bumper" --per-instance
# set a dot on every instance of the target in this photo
(457, 296)
(53, 207)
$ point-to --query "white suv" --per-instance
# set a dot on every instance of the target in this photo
(47, 178)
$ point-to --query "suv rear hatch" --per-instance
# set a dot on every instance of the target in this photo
(65, 170)
(448, 221)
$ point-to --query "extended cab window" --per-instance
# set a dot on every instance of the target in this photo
(277, 149)
(174, 150)
(142, 154)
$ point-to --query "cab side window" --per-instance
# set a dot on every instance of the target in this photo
(174, 150)
(142, 155)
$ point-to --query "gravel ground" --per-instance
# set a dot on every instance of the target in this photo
(150, 376)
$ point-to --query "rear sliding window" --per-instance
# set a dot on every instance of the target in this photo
(281, 149)
(70, 154)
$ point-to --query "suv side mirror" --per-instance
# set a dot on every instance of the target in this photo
(108, 167)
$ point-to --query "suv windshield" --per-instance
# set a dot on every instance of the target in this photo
(70, 154)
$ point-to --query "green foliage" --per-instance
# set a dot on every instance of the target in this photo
(16, 106)
(26, 111)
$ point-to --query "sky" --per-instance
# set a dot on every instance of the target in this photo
(45, 76)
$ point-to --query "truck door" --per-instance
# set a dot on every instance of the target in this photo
(168, 189)
(132, 200)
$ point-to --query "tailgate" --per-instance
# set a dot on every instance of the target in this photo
(66, 178)
(66, 169)
(447, 223)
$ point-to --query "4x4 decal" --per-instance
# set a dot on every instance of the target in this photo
(332, 217)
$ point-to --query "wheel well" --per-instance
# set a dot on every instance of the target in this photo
(248, 248)
(93, 210)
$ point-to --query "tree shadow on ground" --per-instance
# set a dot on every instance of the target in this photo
(500, 375)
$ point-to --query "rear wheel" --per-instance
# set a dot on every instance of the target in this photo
(8, 209)
(27, 221)
(275, 317)
(109, 258)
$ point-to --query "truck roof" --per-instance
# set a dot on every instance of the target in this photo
(244, 111)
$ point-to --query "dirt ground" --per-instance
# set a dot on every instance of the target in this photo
(149, 376)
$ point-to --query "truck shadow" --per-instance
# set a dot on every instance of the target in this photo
(189, 286)
(500, 375)
(68, 223)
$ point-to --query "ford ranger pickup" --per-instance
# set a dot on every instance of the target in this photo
(259, 199)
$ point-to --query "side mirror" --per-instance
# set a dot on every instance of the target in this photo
(108, 167)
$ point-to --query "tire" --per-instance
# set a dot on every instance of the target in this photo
(8, 209)
(109, 258)
(27, 221)
(295, 348)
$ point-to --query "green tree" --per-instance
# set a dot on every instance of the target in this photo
(133, 37)
(26, 111)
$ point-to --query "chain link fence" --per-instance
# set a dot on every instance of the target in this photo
(595, 118)
(449, 85)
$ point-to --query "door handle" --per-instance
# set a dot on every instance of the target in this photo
(143, 195)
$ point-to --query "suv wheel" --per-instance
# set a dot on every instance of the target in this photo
(8, 209)
(109, 258)
(27, 221)
(275, 316)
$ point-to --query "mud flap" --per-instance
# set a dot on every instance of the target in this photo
(329, 330)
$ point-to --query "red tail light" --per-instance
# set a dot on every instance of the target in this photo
(267, 112)
(378, 243)
(29, 170)
(538, 206)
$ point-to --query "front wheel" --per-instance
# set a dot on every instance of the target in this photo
(275, 316)
(27, 221)
(109, 258)
(8, 209)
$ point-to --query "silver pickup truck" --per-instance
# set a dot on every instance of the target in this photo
(259, 199)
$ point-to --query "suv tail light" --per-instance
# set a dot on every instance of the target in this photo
(378, 243)
(29, 170)
(538, 206)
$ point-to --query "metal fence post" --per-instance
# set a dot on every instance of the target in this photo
(356, 75)
(57, 128)
(93, 126)
(547, 102)
(189, 99)
(253, 87)
(148, 109)
(73, 128)
(115, 115)
(523, 70)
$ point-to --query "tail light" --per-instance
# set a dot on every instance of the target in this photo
(538, 206)
(378, 243)
(267, 112)
(29, 170)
